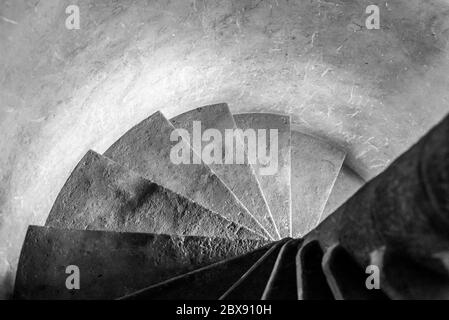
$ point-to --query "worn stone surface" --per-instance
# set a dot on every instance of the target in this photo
(252, 284)
(276, 187)
(102, 195)
(407, 279)
(281, 284)
(346, 278)
(405, 211)
(112, 264)
(239, 178)
(146, 148)
(347, 183)
(315, 167)
(207, 283)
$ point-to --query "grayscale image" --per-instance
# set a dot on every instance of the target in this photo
(252, 150)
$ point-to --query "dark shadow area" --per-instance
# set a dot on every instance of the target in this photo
(311, 278)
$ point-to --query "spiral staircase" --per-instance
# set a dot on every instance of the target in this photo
(140, 227)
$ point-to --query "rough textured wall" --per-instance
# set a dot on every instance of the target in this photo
(63, 92)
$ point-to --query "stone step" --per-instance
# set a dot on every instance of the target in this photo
(239, 178)
(315, 167)
(102, 195)
(206, 283)
(252, 284)
(112, 264)
(347, 184)
(281, 285)
(275, 184)
(311, 280)
(146, 149)
(346, 278)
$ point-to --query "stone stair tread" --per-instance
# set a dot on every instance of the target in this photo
(315, 167)
(275, 187)
(102, 195)
(281, 284)
(112, 264)
(346, 185)
(239, 178)
(146, 150)
(206, 283)
(252, 284)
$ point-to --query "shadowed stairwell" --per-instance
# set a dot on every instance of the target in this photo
(139, 226)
